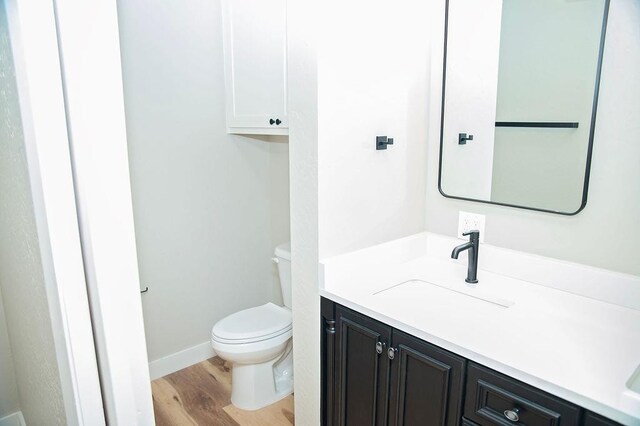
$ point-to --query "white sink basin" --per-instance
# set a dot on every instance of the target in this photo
(466, 294)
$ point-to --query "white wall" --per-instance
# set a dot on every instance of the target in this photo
(202, 199)
(279, 201)
(372, 75)
(302, 18)
(605, 234)
(21, 275)
(372, 78)
(9, 402)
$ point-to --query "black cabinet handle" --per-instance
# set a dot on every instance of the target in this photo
(272, 121)
(278, 121)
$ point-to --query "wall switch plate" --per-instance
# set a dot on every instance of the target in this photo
(468, 221)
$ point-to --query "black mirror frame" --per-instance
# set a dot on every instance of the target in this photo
(594, 108)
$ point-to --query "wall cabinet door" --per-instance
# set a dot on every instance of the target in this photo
(426, 383)
(362, 368)
(255, 47)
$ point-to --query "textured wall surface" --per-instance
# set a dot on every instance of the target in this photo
(367, 196)
(279, 201)
(8, 389)
(605, 233)
(21, 276)
(346, 195)
(201, 198)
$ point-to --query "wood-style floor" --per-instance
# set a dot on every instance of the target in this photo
(201, 395)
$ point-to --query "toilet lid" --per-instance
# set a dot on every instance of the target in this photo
(253, 324)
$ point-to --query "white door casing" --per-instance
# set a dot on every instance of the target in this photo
(90, 52)
(32, 28)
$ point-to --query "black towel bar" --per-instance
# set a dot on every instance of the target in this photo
(544, 124)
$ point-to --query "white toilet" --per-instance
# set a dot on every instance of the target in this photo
(257, 341)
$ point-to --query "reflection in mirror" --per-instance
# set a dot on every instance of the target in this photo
(520, 92)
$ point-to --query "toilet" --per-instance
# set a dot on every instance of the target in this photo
(257, 341)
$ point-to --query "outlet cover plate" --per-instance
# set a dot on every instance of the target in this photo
(468, 221)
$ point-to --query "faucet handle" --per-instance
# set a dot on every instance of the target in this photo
(475, 234)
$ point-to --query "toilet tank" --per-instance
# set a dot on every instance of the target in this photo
(283, 257)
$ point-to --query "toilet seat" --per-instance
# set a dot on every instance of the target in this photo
(251, 325)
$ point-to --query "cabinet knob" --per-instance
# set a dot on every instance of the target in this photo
(512, 414)
(391, 353)
(379, 347)
(278, 121)
(272, 121)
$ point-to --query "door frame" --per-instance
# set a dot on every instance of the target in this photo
(89, 44)
(67, 55)
(39, 82)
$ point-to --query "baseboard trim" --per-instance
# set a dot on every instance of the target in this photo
(179, 360)
(14, 419)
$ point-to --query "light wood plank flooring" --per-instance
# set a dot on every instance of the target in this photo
(200, 395)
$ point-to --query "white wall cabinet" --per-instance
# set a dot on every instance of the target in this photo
(255, 60)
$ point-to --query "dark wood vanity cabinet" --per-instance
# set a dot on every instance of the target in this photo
(361, 369)
(593, 419)
(495, 399)
(426, 383)
(373, 374)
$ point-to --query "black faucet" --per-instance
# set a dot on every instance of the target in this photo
(473, 246)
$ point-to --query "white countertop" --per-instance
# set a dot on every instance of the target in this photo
(560, 337)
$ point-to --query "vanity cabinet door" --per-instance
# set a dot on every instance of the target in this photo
(495, 399)
(426, 383)
(593, 419)
(362, 368)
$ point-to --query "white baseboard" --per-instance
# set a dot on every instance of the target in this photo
(14, 419)
(179, 360)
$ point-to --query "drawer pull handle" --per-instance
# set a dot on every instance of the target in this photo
(379, 347)
(512, 414)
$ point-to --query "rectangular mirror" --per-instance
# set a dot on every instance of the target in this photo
(519, 99)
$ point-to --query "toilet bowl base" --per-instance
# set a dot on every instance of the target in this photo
(254, 386)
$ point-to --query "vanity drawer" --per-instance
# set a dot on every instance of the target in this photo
(593, 419)
(494, 399)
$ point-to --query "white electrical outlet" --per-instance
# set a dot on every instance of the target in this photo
(468, 221)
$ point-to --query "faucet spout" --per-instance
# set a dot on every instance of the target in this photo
(473, 246)
(459, 249)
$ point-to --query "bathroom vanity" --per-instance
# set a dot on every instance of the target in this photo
(536, 342)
